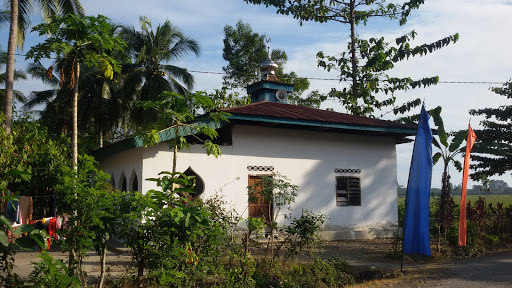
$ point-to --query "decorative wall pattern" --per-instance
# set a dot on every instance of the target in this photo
(348, 171)
(260, 168)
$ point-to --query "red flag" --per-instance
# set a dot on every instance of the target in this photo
(462, 218)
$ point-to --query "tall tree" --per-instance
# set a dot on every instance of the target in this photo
(20, 11)
(18, 75)
(84, 40)
(245, 50)
(492, 152)
(150, 75)
(366, 62)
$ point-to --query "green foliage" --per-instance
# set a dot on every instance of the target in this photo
(492, 151)
(366, 63)
(318, 273)
(173, 236)
(223, 100)
(177, 112)
(86, 195)
(84, 39)
(245, 51)
(153, 51)
(303, 232)
(49, 272)
(40, 155)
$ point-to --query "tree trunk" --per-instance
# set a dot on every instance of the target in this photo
(103, 257)
(101, 139)
(74, 139)
(353, 59)
(11, 50)
(140, 273)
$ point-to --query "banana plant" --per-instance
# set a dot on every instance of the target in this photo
(448, 150)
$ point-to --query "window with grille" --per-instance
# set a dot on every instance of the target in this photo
(348, 191)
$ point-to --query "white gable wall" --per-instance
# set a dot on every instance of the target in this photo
(127, 164)
(308, 159)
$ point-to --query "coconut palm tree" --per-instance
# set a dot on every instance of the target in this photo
(18, 75)
(151, 52)
(20, 11)
(102, 108)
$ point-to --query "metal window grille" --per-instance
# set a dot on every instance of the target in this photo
(348, 191)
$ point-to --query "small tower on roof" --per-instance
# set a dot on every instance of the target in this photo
(269, 88)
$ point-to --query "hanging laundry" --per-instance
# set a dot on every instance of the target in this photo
(26, 208)
(12, 210)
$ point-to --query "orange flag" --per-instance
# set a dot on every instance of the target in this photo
(462, 218)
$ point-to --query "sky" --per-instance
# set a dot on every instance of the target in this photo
(482, 54)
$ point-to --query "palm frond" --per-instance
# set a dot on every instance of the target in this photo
(24, 23)
(38, 71)
(180, 74)
(5, 18)
(40, 97)
(70, 7)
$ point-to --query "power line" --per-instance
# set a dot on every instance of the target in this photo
(336, 79)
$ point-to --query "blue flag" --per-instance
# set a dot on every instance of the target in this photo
(416, 229)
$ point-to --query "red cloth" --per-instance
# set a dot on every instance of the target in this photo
(52, 226)
(462, 218)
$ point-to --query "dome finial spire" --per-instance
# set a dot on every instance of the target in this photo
(268, 68)
(268, 40)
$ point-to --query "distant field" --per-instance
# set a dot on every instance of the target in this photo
(505, 199)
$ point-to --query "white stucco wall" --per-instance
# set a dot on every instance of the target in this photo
(307, 158)
(124, 164)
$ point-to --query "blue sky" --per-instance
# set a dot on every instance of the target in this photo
(482, 54)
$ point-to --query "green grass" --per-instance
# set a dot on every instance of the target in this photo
(505, 199)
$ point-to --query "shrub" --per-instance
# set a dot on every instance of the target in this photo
(49, 272)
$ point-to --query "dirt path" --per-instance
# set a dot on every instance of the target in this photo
(493, 270)
(487, 271)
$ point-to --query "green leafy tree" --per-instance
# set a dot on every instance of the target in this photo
(151, 74)
(365, 63)
(245, 50)
(84, 40)
(86, 195)
(222, 99)
(178, 112)
(492, 153)
(20, 11)
(102, 100)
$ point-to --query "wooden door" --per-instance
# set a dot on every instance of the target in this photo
(258, 206)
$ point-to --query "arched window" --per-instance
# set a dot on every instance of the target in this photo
(122, 182)
(135, 182)
(199, 187)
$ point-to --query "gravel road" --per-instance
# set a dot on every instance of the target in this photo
(487, 271)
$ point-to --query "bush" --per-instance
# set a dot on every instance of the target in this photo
(52, 273)
(303, 232)
(319, 273)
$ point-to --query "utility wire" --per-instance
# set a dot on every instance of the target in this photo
(336, 79)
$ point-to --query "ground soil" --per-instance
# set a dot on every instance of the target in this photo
(364, 255)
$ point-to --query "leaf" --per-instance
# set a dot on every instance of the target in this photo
(434, 141)
(436, 157)
(187, 220)
(438, 121)
(6, 222)
(4, 240)
(457, 140)
(457, 165)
